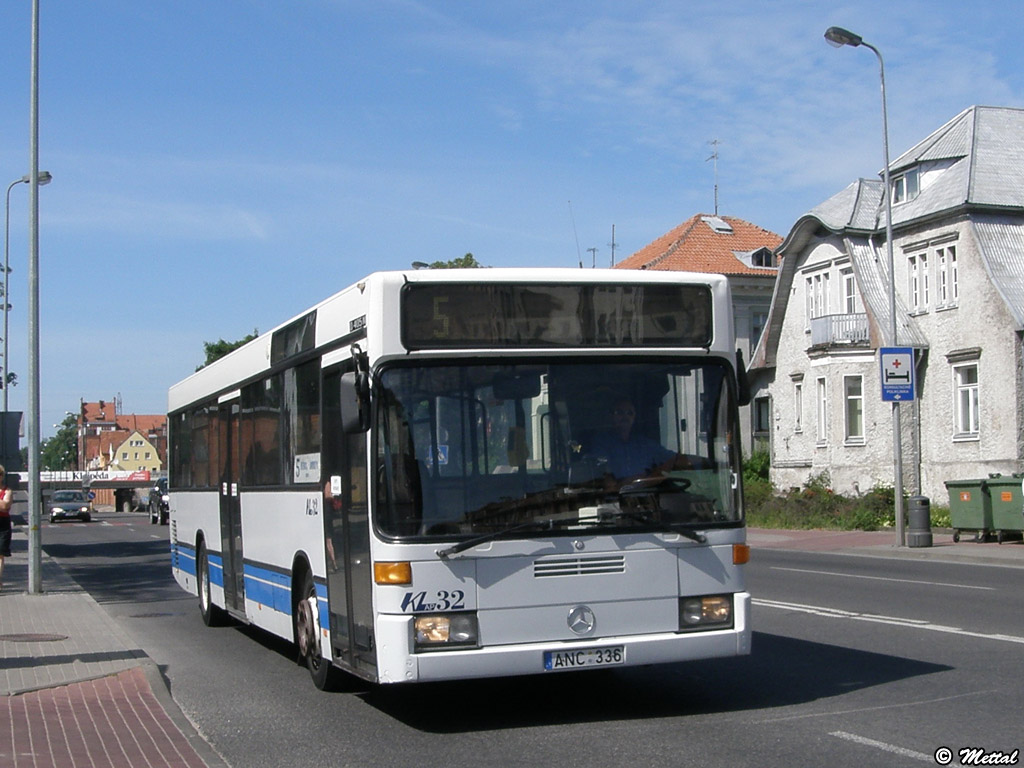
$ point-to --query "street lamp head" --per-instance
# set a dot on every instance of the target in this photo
(44, 178)
(838, 37)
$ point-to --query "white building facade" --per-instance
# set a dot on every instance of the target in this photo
(958, 236)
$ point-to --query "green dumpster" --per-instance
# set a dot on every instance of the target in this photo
(970, 507)
(1007, 505)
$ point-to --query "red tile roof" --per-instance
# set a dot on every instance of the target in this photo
(694, 246)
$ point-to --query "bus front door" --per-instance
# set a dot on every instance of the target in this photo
(231, 508)
(347, 523)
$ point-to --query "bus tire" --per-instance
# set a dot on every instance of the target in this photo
(212, 615)
(325, 676)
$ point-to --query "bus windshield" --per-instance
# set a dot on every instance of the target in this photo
(477, 449)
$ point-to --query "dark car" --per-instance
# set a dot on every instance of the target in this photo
(159, 509)
(65, 504)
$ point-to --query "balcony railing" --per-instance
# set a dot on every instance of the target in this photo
(840, 329)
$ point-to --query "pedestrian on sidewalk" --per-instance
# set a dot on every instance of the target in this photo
(6, 497)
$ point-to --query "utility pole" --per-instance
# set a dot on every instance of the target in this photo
(613, 245)
(35, 544)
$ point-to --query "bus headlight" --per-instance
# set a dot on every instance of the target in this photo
(445, 630)
(708, 612)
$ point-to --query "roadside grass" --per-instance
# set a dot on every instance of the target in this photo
(816, 505)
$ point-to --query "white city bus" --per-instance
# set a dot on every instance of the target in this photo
(428, 476)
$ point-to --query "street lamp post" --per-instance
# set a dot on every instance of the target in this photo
(839, 37)
(45, 177)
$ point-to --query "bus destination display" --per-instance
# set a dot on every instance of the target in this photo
(443, 316)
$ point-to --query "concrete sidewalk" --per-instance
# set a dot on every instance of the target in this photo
(883, 544)
(75, 689)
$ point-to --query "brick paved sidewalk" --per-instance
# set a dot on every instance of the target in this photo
(108, 722)
(76, 690)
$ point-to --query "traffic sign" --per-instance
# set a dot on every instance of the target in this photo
(897, 370)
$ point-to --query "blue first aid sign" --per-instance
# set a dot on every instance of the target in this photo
(897, 364)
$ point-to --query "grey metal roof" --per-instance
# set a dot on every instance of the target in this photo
(856, 207)
(1001, 244)
(984, 150)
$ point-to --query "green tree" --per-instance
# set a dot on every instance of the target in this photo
(463, 262)
(217, 349)
(60, 452)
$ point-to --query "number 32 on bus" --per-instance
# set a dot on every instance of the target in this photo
(450, 474)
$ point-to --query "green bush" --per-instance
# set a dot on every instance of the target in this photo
(757, 467)
(816, 505)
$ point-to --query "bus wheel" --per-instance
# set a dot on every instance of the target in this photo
(307, 636)
(212, 615)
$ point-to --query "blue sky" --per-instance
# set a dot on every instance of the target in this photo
(221, 165)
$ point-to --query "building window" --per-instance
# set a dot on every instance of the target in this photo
(822, 419)
(906, 186)
(798, 406)
(758, 320)
(918, 288)
(853, 388)
(762, 415)
(817, 296)
(851, 304)
(965, 388)
(946, 266)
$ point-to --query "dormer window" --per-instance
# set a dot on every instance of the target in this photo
(905, 186)
(761, 258)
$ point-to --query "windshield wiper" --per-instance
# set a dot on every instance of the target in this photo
(547, 523)
(611, 515)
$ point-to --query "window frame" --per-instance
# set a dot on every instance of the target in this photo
(851, 400)
(821, 408)
(972, 391)
(798, 405)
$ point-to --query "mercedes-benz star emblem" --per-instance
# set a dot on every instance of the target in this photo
(581, 620)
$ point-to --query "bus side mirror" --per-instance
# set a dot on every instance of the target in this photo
(355, 402)
(743, 382)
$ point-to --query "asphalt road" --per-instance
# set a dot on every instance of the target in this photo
(857, 661)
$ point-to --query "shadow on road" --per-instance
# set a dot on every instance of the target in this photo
(781, 672)
(141, 569)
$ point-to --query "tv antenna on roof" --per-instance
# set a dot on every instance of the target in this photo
(714, 156)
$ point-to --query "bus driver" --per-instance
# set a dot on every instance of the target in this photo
(628, 455)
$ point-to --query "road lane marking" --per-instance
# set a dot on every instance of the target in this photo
(882, 578)
(891, 748)
(836, 613)
(879, 708)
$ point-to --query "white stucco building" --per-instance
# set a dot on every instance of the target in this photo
(958, 235)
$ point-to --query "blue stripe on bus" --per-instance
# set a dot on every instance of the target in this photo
(266, 585)
(270, 588)
(216, 565)
(183, 557)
